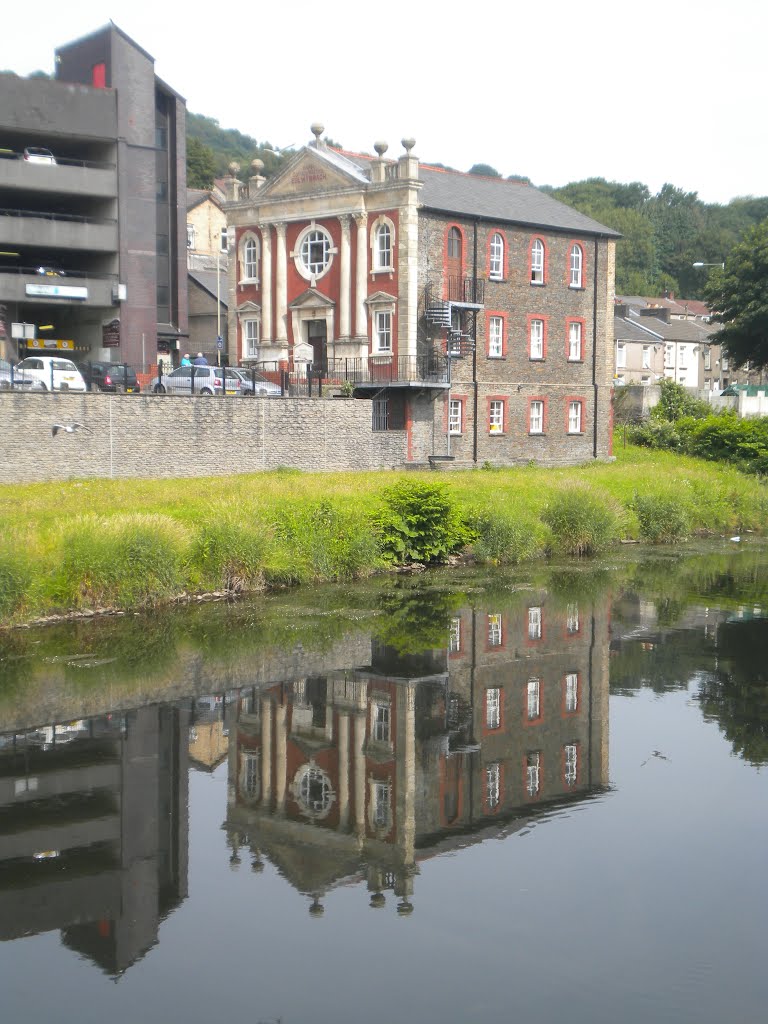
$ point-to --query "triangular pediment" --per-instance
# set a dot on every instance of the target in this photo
(249, 307)
(377, 298)
(314, 171)
(312, 299)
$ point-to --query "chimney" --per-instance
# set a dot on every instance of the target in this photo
(621, 309)
(660, 312)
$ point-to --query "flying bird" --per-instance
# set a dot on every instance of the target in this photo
(68, 428)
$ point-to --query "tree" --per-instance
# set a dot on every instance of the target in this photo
(201, 164)
(486, 169)
(739, 296)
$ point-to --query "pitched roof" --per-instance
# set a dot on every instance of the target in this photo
(676, 330)
(630, 330)
(195, 196)
(206, 279)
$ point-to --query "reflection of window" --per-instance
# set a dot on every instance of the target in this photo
(494, 630)
(534, 623)
(454, 636)
(250, 775)
(314, 791)
(492, 785)
(382, 795)
(532, 770)
(492, 708)
(534, 698)
(572, 618)
(571, 763)
(381, 722)
(572, 692)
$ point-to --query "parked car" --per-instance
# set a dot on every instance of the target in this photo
(198, 380)
(253, 383)
(9, 378)
(37, 155)
(105, 376)
(52, 372)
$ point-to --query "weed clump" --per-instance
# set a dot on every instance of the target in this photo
(419, 522)
(581, 523)
(228, 552)
(663, 518)
(505, 537)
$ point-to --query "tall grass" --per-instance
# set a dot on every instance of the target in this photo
(144, 541)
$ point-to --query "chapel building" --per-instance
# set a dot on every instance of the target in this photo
(475, 313)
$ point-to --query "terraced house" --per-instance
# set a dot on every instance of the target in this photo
(475, 313)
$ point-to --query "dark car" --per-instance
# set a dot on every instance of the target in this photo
(102, 376)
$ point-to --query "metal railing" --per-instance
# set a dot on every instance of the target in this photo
(430, 367)
(46, 215)
(469, 290)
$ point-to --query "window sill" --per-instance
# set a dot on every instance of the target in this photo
(496, 433)
(497, 280)
(498, 358)
(536, 433)
(248, 280)
(538, 284)
(382, 270)
(579, 360)
(577, 287)
(574, 433)
(537, 359)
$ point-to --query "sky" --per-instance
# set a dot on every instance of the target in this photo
(654, 91)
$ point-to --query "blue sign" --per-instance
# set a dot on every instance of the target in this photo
(220, 343)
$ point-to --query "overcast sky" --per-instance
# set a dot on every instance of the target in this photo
(655, 91)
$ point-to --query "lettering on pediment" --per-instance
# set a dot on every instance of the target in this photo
(309, 175)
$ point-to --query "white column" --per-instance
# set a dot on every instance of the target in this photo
(281, 757)
(281, 289)
(359, 747)
(266, 751)
(343, 771)
(266, 283)
(361, 276)
(345, 296)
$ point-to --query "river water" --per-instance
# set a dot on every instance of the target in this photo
(535, 795)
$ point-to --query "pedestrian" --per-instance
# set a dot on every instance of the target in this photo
(185, 360)
(200, 360)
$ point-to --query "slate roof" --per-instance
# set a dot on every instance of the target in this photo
(195, 196)
(497, 199)
(494, 199)
(206, 279)
(676, 330)
(630, 330)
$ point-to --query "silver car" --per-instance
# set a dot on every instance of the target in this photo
(10, 378)
(196, 380)
(254, 383)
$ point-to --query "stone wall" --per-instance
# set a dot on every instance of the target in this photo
(151, 436)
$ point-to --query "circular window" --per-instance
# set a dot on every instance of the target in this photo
(314, 253)
(314, 791)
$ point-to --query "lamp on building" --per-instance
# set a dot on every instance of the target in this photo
(721, 265)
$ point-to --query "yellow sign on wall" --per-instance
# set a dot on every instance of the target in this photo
(52, 343)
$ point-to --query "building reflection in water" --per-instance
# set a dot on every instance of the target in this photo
(364, 773)
(94, 831)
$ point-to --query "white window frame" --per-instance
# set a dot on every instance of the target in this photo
(645, 381)
(536, 418)
(495, 337)
(574, 341)
(571, 758)
(533, 698)
(496, 416)
(572, 618)
(571, 692)
(537, 261)
(620, 381)
(382, 332)
(621, 355)
(497, 256)
(305, 255)
(223, 240)
(495, 636)
(669, 356)
(724, 363)
(382, 254)
(707, 359)
(249, 268)
(454, 636)
(191, 236)
(574, 417)
(251, 337)
(646, 357)
(682, 357)
(532, 772)
(536, 328)
(493, 707)
(576, 265)
(492, 785)
(381, 721)
(455, 416)
(534, 622)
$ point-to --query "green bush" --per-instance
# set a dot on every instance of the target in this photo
(505, 537)
(659, 435)
(663, 517)
(419, 522)
(15, 580)
(124, 561)
(582, 523)
(675, 403)
(228, 552)
(322, 540)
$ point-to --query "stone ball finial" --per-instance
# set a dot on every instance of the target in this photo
(408, 144)
(257, 166)
(405, 908)
(381, 147)
(234, 168)
(378, 900)
(317, 129)
(316, 909)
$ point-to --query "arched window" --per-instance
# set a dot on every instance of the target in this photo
(250, 260)
(576, 263)
(497, 256)
(537, 261)
(454, 244)
(382, 250)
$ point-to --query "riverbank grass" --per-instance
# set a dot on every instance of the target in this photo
(130, 543)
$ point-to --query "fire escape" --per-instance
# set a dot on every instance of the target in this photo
(456, 314)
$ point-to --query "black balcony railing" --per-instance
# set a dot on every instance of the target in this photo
(464, 289)
(428, 368)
